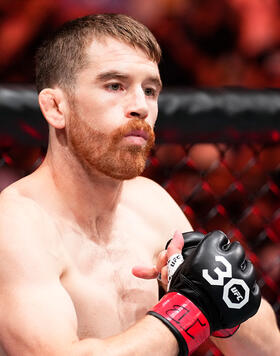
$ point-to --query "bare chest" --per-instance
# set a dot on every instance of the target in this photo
(107, 297)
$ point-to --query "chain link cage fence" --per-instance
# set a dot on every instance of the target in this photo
(217, 154)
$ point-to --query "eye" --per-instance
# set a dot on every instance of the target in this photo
(114, 86)
(150, 92)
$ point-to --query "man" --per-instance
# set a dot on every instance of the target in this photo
(71, 232)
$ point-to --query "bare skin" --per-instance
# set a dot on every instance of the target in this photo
(85, 278)
(73, 240)
(66, 263)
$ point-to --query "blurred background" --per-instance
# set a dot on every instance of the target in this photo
(220, 183)
(205, 42)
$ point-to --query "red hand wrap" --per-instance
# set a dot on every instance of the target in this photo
(185, 317)
(225, 332)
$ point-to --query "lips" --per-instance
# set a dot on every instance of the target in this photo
(138, 133)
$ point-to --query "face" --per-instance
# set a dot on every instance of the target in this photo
(114, 109)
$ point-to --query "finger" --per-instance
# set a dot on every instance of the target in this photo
(174, 253)
(161, 261)
(176, 244)
(162, 268)
(145, 272)
(164, 276)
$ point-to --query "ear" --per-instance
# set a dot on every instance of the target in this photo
(53, 106)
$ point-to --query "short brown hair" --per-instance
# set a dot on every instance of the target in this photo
(62, 55)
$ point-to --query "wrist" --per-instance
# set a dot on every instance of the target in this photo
(184, 319)
(224, 333)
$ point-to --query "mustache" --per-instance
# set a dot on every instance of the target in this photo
(133, 125)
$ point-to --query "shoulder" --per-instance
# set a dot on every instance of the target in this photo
(148, 188)
(13, 204)
(25, 230)
(156, 202)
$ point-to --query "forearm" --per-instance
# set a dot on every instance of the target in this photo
(148, 337)
(258, 336)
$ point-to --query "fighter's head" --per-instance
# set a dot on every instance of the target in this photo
(98, 84)
(63, 55)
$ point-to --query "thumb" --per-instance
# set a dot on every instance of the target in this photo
(176, 245)
(174, 254)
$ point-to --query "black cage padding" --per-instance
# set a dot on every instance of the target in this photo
(190, 115)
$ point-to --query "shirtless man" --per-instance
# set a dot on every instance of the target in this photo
(72, 232)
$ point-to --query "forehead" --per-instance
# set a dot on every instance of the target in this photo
(109, 53)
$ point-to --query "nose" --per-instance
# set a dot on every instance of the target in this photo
(137, 106)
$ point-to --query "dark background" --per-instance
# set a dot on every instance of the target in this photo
(205, 42)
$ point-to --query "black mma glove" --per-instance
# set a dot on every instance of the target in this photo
(213, 289)
(191, 240)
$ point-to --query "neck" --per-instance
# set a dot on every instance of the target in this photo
(90, 200)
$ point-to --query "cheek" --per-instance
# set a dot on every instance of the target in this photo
(104, 115)
(153, 115)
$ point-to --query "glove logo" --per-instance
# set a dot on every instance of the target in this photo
(172, 264)
(235, 292)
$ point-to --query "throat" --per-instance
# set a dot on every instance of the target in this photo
(93, 199)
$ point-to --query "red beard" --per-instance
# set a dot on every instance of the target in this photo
(105, 153)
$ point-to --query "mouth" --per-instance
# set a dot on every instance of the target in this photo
(138, 133)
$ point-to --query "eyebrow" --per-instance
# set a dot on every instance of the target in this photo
(117, 75)
(156, 81)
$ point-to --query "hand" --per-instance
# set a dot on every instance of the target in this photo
(224, 276)
(160, 269)
(213, 289)
(191, 241)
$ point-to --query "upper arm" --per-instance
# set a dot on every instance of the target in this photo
(37, 316)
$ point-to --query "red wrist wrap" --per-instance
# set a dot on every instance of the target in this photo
(225, 332)
(185, 317)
